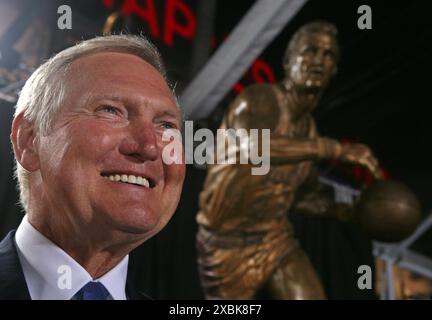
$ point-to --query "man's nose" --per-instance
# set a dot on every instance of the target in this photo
(141, 144)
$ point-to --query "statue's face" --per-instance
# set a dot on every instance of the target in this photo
(313, 61)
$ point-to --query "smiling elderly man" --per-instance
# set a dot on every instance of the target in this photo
(87, 137)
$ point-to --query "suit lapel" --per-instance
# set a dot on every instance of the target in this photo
(133, 293)
(12, 281)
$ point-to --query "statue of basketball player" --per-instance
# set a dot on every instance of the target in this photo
(245, 241)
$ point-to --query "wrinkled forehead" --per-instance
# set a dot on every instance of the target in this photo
(110, 72)
(102, 64)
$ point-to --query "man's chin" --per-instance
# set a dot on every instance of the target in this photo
(136, 222)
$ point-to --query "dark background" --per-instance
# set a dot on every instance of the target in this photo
(380, 96)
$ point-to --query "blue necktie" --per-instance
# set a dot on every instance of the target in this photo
(93, 291)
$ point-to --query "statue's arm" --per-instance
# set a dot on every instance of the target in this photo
(258, 110)
(313, 199)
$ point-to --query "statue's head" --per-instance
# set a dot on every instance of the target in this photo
(311, 56)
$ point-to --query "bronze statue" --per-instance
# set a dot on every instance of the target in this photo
(245, 241)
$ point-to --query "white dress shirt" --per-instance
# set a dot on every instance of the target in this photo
(51, 274)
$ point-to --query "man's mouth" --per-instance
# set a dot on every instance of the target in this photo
(130, 179)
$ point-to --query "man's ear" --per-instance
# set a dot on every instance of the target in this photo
(23, 138)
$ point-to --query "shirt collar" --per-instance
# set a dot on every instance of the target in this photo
(51, 274)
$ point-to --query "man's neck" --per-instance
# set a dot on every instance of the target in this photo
(96, 256)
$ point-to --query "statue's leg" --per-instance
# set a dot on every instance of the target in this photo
(295, 279)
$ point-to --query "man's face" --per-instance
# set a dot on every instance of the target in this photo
(109, 127)
(313, 61)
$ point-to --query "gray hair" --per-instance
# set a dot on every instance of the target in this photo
(43, 93)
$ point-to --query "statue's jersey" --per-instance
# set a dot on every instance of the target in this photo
(243, 230)
(235, 200)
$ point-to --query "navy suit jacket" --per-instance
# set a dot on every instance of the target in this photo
(12, 282)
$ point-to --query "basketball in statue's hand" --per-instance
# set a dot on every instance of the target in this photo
(388, 211)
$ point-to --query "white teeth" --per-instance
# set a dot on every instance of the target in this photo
(129, 179)
(145, 183)
(132, 179)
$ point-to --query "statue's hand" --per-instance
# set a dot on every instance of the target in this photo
(362, 155)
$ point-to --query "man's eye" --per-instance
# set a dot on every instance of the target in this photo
(110, 109)
(168, 125)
